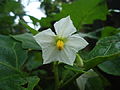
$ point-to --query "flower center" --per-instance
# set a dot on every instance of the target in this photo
(60, 44)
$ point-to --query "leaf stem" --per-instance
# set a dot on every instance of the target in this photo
(56, 76)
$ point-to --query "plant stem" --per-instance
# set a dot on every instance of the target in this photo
(56, 76)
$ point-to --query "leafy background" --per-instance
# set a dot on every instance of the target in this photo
(21, 67)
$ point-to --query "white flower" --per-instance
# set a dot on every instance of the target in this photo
(61, 46)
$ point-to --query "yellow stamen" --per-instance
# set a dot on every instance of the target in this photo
(60, 44)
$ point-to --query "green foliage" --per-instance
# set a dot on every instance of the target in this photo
(21, 63)
(27, 40)
(13, 49)
(107, 48)
(12, 59)
(111, 67)
(7, 22)
(33, 31)
(109, 31)
(35, 60)
(51, 6)
(81, 11)
(88, 80)
(32, 82)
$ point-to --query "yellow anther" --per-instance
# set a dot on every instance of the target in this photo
(60, 44)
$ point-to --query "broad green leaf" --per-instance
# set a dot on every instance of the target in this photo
(111, 67)
(11, 83)
(11, 52)
(109, 31)
(28, 41)
(81, 12)
(33, 31)
(12, 58)
(10, 63)
(107, 48)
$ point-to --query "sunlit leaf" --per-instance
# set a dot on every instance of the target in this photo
(107, 48)
(81, 12)
(27, 40)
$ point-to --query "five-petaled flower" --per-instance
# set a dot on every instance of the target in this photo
(61, 46)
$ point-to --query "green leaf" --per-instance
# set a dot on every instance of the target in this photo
(28, 42)
(81, 12)
(11, 83)
(11, 52)
(88, 80)
(107, 48)
(109, 31)
(32, 82)
(10, 6)
(111, 67)
(33, 31)
(34, 20)
(12, 58)
(15, 82)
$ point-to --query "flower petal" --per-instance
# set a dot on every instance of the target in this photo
(76, 42)
(64, 27)
(45, 38)
(49, 54)
(67, 56)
